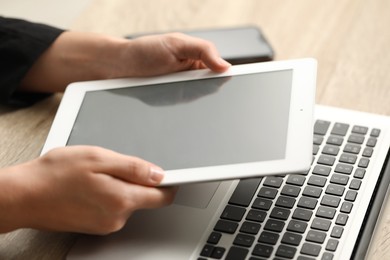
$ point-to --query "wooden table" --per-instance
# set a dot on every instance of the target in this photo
(350, 39)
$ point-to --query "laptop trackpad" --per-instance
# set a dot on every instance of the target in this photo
(196, 195)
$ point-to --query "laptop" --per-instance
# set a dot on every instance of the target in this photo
(328, 212)
(308, 207)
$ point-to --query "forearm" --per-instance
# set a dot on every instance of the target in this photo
(74, 56)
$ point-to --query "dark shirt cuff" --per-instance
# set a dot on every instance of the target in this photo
(21, 44)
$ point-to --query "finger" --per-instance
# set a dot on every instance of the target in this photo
(198, 49)
(128, 168)
(148, 197)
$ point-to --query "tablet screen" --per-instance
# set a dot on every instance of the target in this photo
(190, 124)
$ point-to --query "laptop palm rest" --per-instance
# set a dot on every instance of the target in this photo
(196, 195)
(172, 232)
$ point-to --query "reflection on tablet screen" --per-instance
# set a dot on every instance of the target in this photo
(190, 124)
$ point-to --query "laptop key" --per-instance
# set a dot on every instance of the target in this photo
(233, 213)
(268, 237)
(321, 224)
(316, 236)
(341, 179)
(268, 193)
(262, 250)
(312, 191)
(237, 253)
(321, 127)
(214, 238)
(332, 245)
(301, 257)
(286, 202)
(244, 192)
(322, 170)
(342, 219)
(250, 227)
(340, 129)
(256, 215)
(290, 190)
(359, 173)
(291, 238)
(371, 142)
(286, 251)
(325, 212)
(363, 162)
(351, 195)
(296, 180)
(244, 240)
(226, 226)
(331, 201)
(344, 168)
(280, 213)
(326, 160)
(316, 149)
(327, 256)
(346, 207)
(367, 152)
(356, 139)
(274, 182)
(310, 249)
(207, 250)
(261, 203)
(317, 181)
(352, 148)
(302, 214)
(357, 129)
(355, 184)
(297, 226)
(337, 231)
(306, 202)
(218, 252)
(318, 139)
(375, 132)
(274, 225)
(348, 158)
(335, 140)
(334, 189)
(330, 150)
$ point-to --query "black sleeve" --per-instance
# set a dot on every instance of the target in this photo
(21, 44)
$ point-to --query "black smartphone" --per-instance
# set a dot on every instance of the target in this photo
(237, 45)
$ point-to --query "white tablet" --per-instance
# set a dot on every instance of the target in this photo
(253, 120)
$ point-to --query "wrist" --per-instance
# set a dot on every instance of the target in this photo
(112, 58)
(91, 56)
(74, 56)
(13, 199)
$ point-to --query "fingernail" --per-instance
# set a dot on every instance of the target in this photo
(156, 174)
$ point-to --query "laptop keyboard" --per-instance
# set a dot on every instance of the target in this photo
(297, 216)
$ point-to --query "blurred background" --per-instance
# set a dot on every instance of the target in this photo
(54, 12)
(349, 38)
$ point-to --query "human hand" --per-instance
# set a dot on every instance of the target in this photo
(77, 56)
(166, 53)
(81, 189)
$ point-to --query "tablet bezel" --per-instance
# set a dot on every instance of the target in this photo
(299, 133)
